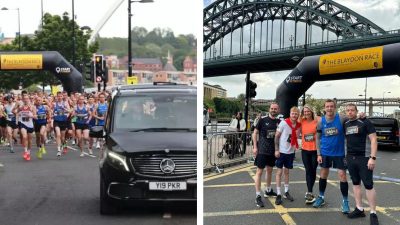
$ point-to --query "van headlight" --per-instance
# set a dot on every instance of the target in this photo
(118, 161)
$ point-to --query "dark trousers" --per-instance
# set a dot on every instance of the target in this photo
(310, 164)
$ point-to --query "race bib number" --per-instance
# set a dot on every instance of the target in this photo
(271, 134)
(331, 131)
(309, 137)
(352, 130)
(41, 116)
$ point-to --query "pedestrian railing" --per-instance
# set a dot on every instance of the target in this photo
(225, 149)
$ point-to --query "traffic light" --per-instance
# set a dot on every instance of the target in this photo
(252, 89)
(99, 68)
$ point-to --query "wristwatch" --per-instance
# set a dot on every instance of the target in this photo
(372, 157)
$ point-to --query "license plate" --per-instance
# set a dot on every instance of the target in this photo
(167, 186)
(381, 137)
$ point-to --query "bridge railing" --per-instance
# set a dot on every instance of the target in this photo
(225, 149)
(302, 47)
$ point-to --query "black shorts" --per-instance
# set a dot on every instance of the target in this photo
(28, 129)
(285, 160)
(358, 170)
(262, 161)
(12, 124)
(81, 126)
(338, 162)
(3, 122)
(63, 125)
(38, 126)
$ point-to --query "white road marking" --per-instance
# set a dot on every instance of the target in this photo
(74, 149)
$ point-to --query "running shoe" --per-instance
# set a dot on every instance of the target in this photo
(73, 142)
(356, 214)
(278, 200)
(58, 154)
(65, 149)
(90, 151)
(270, 193)
(373, 219)
(345, 207)
(25, 155)
(309, 198)
(319, 202)
(82, 155)
(39, 153)
(98, 145)
(259, 201)
(288, 196)
(44, 150)
(11, 149)
(28, 156)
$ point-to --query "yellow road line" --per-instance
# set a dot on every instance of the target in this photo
(289, 210)
(227, 173)
(279, 208)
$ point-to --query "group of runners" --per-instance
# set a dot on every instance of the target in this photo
(323, 143)
(63, 117)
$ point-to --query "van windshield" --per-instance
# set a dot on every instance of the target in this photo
(167, 111)
(383, 122)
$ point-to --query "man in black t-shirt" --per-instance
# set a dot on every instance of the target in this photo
(361, 161)
(263, 150)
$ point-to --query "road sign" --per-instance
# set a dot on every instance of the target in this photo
(98, 79)
(132, 80)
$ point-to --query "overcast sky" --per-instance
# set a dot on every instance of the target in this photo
(179, 15)
(384, 13)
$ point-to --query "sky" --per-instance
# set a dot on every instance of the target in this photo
(384, 13)
(179, 15)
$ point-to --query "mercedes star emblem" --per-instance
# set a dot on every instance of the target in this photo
(167, 166)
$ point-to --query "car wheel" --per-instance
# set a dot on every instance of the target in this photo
(105, 206)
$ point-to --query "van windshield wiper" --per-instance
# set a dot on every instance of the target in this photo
(163, 129)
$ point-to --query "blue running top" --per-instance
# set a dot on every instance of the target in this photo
(101, 111)
(41, 114)
(82, 114)
(60, 112)
(332, 137)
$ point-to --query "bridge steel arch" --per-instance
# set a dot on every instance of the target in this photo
(367, 62)
(225, 16)
(71, 79)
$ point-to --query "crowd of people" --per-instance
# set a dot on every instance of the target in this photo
(322, 143)
(61, 117)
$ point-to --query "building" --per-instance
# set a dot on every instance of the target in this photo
(396, 114)
(189, 64)
(149, 64)
(112, 61)
(212, 91)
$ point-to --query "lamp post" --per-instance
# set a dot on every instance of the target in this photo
(291, 41)
(383, 102)
(19, 27)
(73, 32)
(129, 34)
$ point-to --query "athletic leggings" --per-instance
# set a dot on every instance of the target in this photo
(310, 163)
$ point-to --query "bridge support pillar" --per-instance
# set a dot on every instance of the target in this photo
(370, 107)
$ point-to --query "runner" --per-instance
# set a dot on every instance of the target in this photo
(264, 150)
(12, 127)
(309, 150)
(3, 122)
(92, 122)
(43, 113)
(330, 150)
(26, 112)
(361, 161)
(82, 114)
(100, 113)
(61, 110)
(285, 147)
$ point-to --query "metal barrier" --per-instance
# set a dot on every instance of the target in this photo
(226, 149)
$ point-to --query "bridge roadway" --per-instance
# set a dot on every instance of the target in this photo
(66, 191)
(229, 197)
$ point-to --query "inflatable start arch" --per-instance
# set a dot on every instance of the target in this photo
(367, 62)
(52, 61)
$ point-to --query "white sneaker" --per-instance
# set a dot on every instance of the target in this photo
(58, 153)
(90, 151)
(82, 155)
(98, 145)
(73, 142)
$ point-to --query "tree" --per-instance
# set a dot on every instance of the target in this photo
(55, 35)
(316, 104)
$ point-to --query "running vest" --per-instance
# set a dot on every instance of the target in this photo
(101, 111)
(93, 120)
(41, 115)
(308, 135)
(8, 110)
(24, 116)
(332, 137)
(82, 115)
(60, 113)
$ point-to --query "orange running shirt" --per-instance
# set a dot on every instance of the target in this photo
(308, 135)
